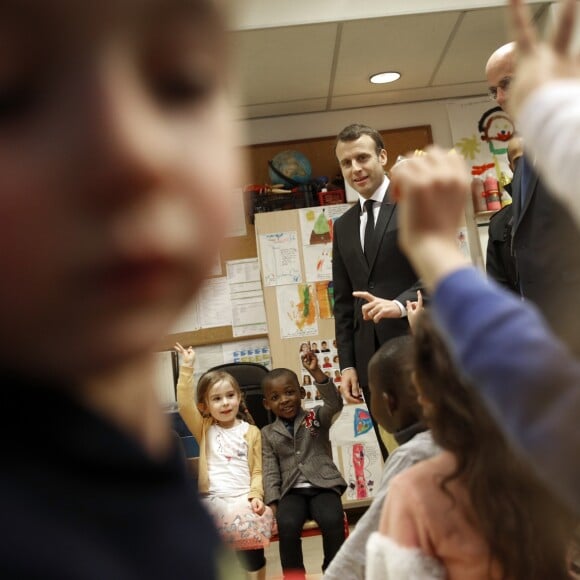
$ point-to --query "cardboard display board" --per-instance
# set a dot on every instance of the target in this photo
(299, 316)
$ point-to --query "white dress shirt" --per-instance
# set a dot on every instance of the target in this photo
(378, 196)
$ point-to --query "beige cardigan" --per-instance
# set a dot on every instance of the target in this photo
(198, 425)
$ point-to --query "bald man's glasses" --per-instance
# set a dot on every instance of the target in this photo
(504, 85)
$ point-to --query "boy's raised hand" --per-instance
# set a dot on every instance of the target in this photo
(187, 354)
(310, 363)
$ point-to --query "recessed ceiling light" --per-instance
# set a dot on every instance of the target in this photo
(385, 77)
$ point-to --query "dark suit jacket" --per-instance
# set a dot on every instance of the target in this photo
(389, 276)
(546, 246)
(500, 264)
(308, 452)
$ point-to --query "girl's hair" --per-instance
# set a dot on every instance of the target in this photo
(525, 527)
(209, 379)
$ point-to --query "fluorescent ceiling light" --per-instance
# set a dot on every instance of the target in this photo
(385, 77)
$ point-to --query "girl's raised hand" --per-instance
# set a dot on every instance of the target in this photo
(414, 309)
(187, 354)
(258, 506)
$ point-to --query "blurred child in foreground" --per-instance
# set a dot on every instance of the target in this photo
(116, 163)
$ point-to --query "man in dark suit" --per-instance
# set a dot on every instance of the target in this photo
(545, 241)
(500, 263)
(372, 279)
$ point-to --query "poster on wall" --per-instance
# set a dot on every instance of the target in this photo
(280, 258)
(327, 355)
(481, 131)
(357, 452)
(297, 310)
(362, 468)
(325, 299)
(318, 262)
(317, 223)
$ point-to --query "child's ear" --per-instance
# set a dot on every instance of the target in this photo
(302, 392)
(391, 403)
(202, 408)
(266, 404)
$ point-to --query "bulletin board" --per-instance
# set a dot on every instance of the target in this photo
(234, 248)
(320, 151)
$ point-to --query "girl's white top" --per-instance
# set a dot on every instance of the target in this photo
(227, 460)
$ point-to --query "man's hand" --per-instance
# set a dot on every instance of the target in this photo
(310, 363)
(349, 386)
(414, 309)
(377, 308)
(540, 63)
(187, 354)
(431, 191)
(258, 506)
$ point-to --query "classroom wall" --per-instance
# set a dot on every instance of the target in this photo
(272, 129)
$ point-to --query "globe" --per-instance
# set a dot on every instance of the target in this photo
(293, 165)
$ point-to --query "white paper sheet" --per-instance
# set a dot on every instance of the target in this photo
(188, 320)
(214, 303)
(247, 298)
(239, 271)
(318, 262)
(207, 357)
(238, 213)
(164, 378)
(362, 469)
(256, 350)
(297, 310)
(280, 258)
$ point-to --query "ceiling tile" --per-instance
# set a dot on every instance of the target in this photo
(411, 45)
(408, 96)
(279, 109)
(480, 33)
(284, 64)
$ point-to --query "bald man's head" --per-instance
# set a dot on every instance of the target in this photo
(499, 71)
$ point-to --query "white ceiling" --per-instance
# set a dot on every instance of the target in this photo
(326, 66)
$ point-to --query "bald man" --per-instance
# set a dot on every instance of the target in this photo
(545, 242)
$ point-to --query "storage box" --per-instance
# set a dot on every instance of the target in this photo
(332, 197)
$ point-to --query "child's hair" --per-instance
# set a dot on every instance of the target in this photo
(276, 374)
(209, 379)
(394, 363)
(526, 529)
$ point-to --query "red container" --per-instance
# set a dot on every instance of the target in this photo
(333, 197)
(491, 187)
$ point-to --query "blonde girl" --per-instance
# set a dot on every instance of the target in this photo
(230, 460)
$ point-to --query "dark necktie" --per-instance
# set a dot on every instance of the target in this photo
(369, 229)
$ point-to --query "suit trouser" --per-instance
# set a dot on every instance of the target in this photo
(367, 395)
(297, 506)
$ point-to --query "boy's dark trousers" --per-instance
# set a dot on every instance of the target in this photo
(301, 504)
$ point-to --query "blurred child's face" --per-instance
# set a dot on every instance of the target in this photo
(223, 403)
(116, 163)
(283, 397)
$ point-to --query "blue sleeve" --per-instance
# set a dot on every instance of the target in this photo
(529, 379)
